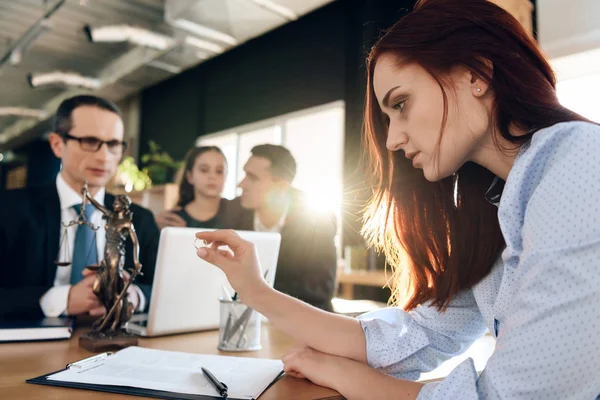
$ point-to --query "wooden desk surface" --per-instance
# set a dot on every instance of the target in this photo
(21, 361)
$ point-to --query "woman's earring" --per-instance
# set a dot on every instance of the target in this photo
(478, 89)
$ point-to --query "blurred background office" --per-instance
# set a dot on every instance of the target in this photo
(236, 74)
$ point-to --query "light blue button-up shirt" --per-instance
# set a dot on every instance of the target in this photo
(541, 300)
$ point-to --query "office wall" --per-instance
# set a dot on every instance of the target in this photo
(568, 27)
(170, 114)
(36, 159)
(315, 60)
(42, 165)
(297, 66)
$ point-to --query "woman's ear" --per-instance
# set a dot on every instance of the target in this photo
(188, 177)
(480, 85)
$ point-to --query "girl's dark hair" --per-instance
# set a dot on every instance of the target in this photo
(186, 190)
(439, 244)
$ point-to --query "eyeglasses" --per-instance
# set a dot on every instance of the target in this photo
(92, 144)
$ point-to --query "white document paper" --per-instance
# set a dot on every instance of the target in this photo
(176, 372)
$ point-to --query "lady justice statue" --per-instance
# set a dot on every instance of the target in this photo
(110, 284)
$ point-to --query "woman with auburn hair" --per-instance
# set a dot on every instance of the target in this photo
(485, 204)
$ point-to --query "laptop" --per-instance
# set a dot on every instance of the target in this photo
(186, 289)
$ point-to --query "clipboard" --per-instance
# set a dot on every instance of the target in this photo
(128, 390)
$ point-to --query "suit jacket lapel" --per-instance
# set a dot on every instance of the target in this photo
(54, 229)
(109, 199)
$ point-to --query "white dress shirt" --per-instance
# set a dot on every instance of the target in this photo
(54, 301)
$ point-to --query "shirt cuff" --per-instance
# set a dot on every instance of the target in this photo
(141, 306)
(391, 328)
(54, 302)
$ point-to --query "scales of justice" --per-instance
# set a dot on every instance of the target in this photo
(110, 285)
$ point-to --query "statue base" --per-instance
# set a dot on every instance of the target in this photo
(98, 342)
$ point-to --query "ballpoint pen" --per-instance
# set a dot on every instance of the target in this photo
(238, 323)
(219, 386)
(241, 322)
(227, 297)
(243, 333)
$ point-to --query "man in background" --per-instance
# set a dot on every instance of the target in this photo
(307, 258)
(88, 138)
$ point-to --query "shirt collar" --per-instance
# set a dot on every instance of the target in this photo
(259, 227)
(69, 197)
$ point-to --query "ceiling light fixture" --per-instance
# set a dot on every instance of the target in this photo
(202, 55)
(203, 44)
(22, 112)
(63, 78)
(7, 156)
(16, 54)
(174, 69)
(131, 34)
(204, 31)
(277, 9)
(16, 50)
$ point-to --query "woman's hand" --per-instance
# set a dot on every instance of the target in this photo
(352, 379)
(320, 368)
(239, 262)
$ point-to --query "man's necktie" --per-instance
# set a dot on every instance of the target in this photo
(84, 250)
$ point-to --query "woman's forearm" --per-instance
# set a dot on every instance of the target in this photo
(327, 332)
(356, 381)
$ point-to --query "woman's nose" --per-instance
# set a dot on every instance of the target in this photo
(395, 141)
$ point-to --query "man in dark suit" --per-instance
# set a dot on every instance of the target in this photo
(307, 258)
(88, 138)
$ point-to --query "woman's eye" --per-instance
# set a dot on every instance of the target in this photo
(399, 106)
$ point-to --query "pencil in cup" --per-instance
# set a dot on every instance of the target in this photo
(239, 327)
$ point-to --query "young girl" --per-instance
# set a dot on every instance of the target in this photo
(200, 204)
(485, 192)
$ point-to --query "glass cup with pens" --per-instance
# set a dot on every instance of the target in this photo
(239, 327)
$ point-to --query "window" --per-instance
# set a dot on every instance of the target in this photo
(314, 136)
(580, 95)
(316, 141)
(579, 82)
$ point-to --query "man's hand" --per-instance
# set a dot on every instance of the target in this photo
(169, 218)
(82, 299)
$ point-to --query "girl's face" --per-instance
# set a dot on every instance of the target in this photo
(208, 174)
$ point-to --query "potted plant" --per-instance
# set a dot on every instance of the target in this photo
(129, 177)
(159, 165)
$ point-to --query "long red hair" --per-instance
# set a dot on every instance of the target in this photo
(443, 237)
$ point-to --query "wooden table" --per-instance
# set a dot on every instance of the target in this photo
(21, 361)
(347, 280)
